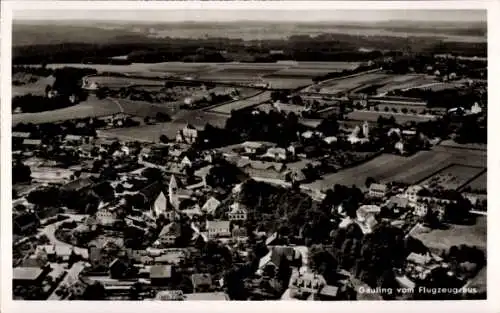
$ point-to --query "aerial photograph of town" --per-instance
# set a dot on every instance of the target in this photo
(249, 155)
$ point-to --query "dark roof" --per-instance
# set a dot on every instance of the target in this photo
(78, 184)
(278, 252)
(201, 279)
(152, 191)
(160, 271)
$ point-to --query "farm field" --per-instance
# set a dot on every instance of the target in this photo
(390, 167)
(344, 85)
(472, 146)
(443, 239)
(241, 104)
(118, 82)
(93, 107)
(480, 183)
(405, 82)
(303, 72)
(381, 107)
(143, 109)
(452, 177)
(277, 82)
(372, 116)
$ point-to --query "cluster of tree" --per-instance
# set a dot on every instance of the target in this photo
(472, 131)
(446, 98)
(21, 173)
(30, 103)
(273, 126)
(42, 70)
(224, 174)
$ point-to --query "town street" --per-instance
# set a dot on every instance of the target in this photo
(70, 278)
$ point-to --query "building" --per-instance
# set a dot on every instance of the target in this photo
(310, 283)
(378, 190)
(106, 216)
(202, 282)
(237, 213)
(218, 229)
(28, 276)
(32, 142)
(397, 203)
(193, 211)
(419, 208)
(161, 206)
(278, 154)
(160, 275)
(239, 233)
(170, 295)
(189, 135)
(118, 268)
(186, 162)
(210, 205)
(169, 234)
(261, 169)
(412, 193)
(255, 147)
(273, 258)
(73, 140)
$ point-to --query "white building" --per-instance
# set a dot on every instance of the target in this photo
(218, 229)
(237, 213)
(378, 190)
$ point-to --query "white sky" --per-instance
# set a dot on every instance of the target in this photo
(256, 15)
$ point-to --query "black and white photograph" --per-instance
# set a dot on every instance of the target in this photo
(247, 155)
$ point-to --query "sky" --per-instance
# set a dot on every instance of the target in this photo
(254, 15)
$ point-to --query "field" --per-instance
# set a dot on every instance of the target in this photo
(480, 183)
(389, 167)
(118, 82)
(351, 83)
(372, 116)
(277, 82)
(35, 88)
(284, 107)
(152, 133)
(405, 82)
(443, 239)
(90, 108)
(452, 177)
(241, 104)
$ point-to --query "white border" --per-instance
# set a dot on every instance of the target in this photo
(7, 305)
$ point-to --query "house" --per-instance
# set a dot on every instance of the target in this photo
(237, 213)
(79, 184)
(185, 162)
(307, 282)
(278, 154)
(273, 257)
(405, 282)
(118, 268)
(189, 134)
(254, 147)
(73, 140)
(400, 147)
(25, 223)
(193, 211)
(32, 142)
(295, 148)
(23, 135)
(160, 275)
(202, 282)
(169, 234)
(210, 205)
(328, 292)
(378, 190)
(365, 211)
(419, 208)
(397, 203)
(419, 259)
(330, 140)
(218, 229)
(239, 233)
(28, 276)
(206, 296)
(170, 295)
(261, 169)
(170, 256)
(106, 216)
(411, 193)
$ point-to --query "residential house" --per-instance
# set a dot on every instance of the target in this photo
(170, 295)
(239, 233)
(25, 223)
(32, 142)
(295, 148)
(400, 147)
(202, 282)
(210, 205)
(193, 211)
(186, 162)
(278, 154)
(78, 185)
(74, 140)
(23, 135)
(330, 140)
(405, 282)
(106, 216)
(160, 275)
(378, 190)
(398, 203)
(118, 268)
(261, 169)
(411, 193)
(254, 147)
(189, 134)
(170, 256)
(218, 229)
(419, 208)
(237, 213)
(365, 211)
(169, 234)
(328, 292)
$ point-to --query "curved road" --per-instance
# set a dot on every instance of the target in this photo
(50, 230)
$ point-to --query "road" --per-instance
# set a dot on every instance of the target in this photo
(50, 230)
(71, 277)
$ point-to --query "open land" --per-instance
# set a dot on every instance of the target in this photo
(92, 107)
(453, 177)
(244, 103)
(412, 169)
(480, 183)
(443, 239)
(372, 116)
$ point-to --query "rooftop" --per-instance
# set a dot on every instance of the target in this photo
(206, 296)
(160, 271)
(27, 273)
